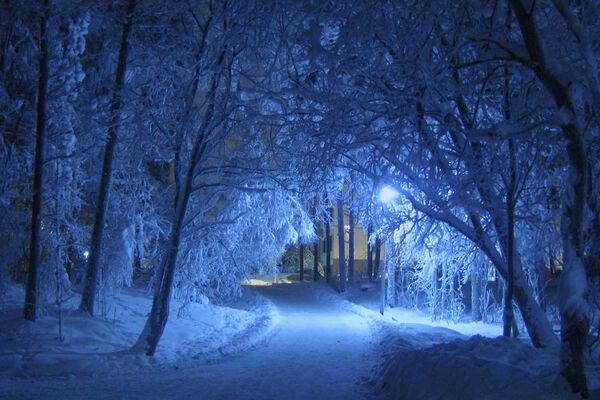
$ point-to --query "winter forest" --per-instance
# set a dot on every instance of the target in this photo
(272, 199)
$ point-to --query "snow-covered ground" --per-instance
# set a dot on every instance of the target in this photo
(476, 368)
(424, 359)
(89, 345)
(418, 358)
(315, 349)
(309, 343)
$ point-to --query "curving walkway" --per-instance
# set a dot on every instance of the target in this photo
(317, 350)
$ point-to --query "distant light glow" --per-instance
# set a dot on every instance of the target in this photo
(272, 279)
(86, 254)
(387, 194)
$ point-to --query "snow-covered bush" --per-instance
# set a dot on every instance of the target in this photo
(243, 233)
(437, 266)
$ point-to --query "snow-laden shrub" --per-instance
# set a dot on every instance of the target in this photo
(434, 267)
(245, 236)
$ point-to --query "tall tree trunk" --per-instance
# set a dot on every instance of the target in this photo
(508, 317)
(301, 262)
(159, 314)
(90, 290)
(390, 268)
(592, 261)
(444, 290)
(369, 253)
(573, 289)
(341, 244)
(537, 324)
(377, 262)
(328, 245)
(137, 260)
(184, 182)
(30, 310)
(351, 267)
(436, 285)
(315, 246)
(316, 261)
(382, 292)
(475, 293)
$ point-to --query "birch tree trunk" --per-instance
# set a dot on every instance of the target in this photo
(30, 309)
(90, 290)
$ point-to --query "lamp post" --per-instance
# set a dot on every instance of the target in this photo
(387, 195)
(382, 281)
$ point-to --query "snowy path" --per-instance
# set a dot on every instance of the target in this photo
(317, 350)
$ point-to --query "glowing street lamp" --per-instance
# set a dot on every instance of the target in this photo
(388, 194)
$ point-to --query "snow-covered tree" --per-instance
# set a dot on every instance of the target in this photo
(61, 44)
(90, 290)
(426, 122)
(220, 134)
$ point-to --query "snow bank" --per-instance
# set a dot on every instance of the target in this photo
(92, 345)
(477, 368)
(424, 359)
